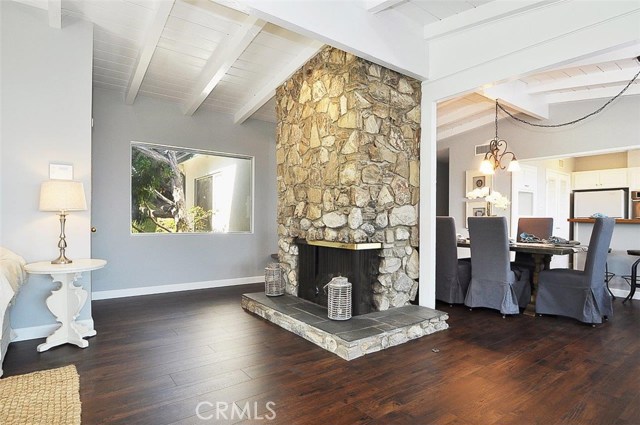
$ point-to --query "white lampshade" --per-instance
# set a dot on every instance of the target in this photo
(486, 167)
(514, 166)
(62, 195)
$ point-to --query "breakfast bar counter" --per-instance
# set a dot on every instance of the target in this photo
(618, 220)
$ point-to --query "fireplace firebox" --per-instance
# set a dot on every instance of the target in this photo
(321, 261)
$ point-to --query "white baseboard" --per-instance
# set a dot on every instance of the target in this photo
(35, 332)
(622, 293)
(178, 287)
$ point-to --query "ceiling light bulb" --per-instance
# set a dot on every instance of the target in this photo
(486, 167)
(514, 166)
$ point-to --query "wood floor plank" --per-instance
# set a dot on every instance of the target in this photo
(157, 357)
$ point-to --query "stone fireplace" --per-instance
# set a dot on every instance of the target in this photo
(321, 261)
(347, 153)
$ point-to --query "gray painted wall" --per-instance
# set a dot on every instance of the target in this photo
(46, 117)
(618, 126)
(161, 259)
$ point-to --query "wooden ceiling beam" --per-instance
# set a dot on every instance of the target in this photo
(262, 96)
(468, 125)
(582, 81)
(611, 55)
(463, 113)
(601, 93)
(221, 60)
(591, 30)
(477, 16)
(385, 40)
(514, 94)
(148, 48)
(376, 6)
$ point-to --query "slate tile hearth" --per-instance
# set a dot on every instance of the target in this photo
(348, 339)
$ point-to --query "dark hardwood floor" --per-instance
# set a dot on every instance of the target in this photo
(157, 357)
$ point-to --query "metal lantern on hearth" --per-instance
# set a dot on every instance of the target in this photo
(273, 281)
(339, 298)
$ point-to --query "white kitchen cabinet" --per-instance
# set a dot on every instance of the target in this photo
(527, 179)
(600, 179)
(634, 178)
(585, 180)
(614, 178)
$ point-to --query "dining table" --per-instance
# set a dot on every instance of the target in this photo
(541, 254)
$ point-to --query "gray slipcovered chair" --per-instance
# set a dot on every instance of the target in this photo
(452, 275)
(542, 227)
(494, 282)
(581, 294)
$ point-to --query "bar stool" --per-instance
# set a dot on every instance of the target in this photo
(608, 276)
(633, 279)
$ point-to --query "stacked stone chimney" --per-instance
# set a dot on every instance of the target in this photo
(348, 158)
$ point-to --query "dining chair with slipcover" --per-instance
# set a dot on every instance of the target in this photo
(495, 282)
(452, 274)
(580, 294)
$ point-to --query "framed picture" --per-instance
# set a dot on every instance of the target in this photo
(477, 180)
(475, 209)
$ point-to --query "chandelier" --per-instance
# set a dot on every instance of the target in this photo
(498, 147)
(497, 152)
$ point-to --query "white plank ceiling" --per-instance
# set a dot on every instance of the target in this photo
(199, 53)
(195, 33)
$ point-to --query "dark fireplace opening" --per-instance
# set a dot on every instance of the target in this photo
(320, 261)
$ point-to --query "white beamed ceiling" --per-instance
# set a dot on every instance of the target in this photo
(196, 32)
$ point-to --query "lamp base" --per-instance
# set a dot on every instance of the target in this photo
(61, 260)
(62, 243)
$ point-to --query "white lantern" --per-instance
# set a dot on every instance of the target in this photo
(339, 294)
(273, 282)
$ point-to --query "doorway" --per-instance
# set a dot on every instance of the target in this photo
(558, 201)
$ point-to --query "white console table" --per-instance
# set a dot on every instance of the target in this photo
(67, 301)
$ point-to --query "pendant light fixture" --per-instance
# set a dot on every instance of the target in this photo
(497, 152)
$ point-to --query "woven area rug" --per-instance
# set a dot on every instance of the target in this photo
(45, 397)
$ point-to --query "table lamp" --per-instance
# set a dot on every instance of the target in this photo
(62, 196)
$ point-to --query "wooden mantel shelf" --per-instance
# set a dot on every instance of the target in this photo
(618, 220)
